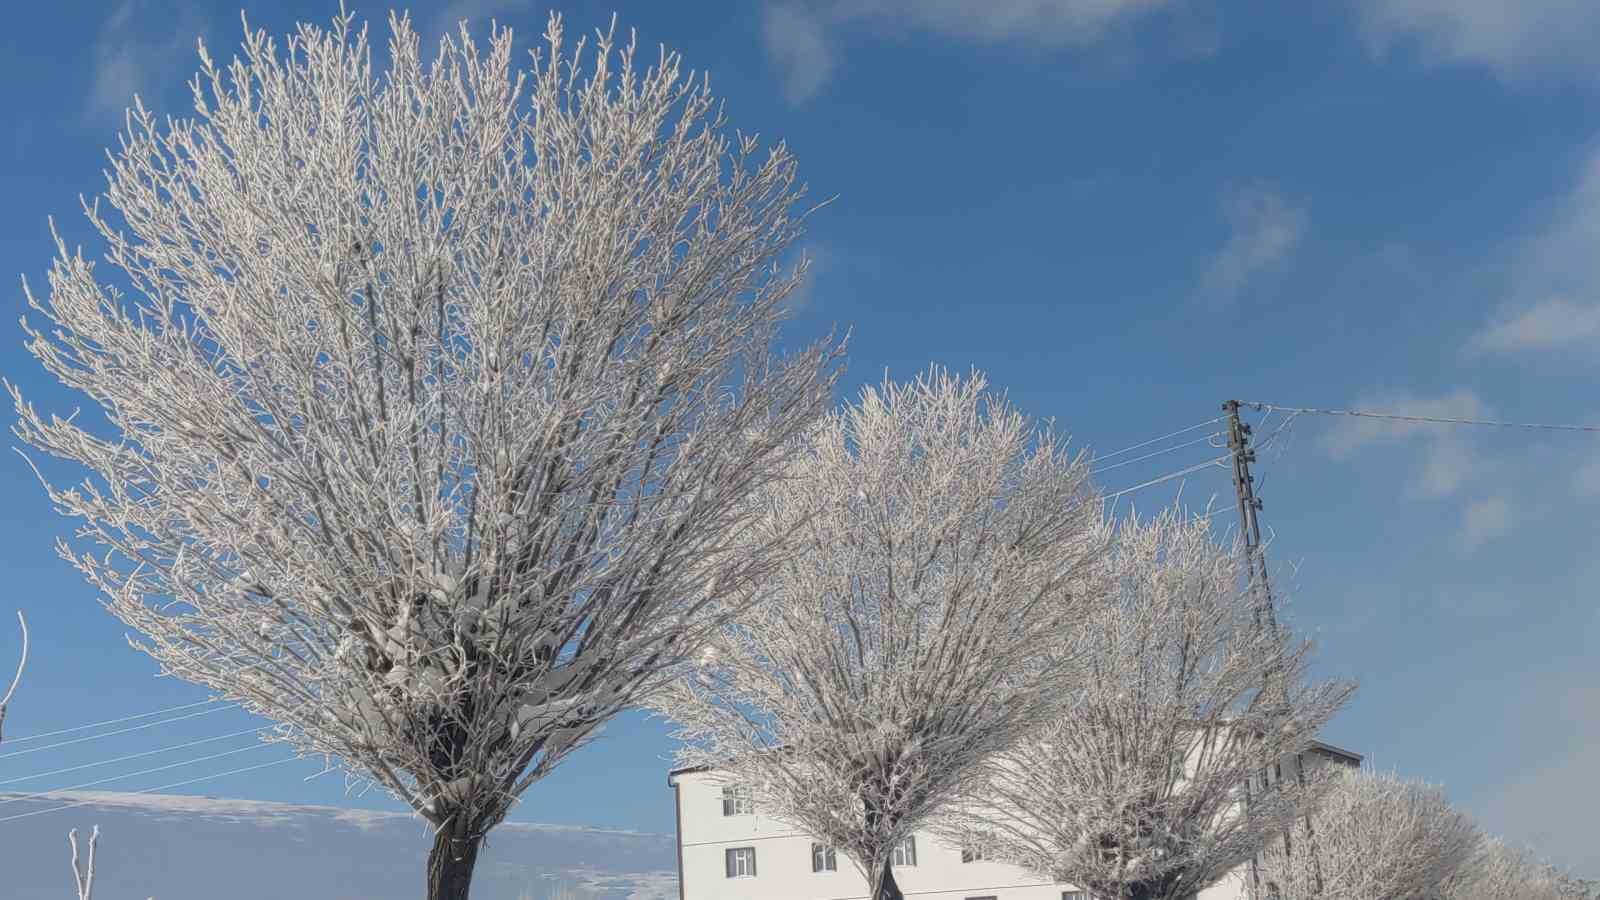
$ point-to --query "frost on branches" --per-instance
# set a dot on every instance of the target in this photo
(22, 664)
(942, 539)
(1373, 837)
(1499, 871)
(1141, 789)
(430, 397)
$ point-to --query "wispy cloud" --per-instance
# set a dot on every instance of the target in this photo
(799, 48)
(522, 15)
(1447, 463)
(1447, 458)
(1263, 229)
(1355, 433)
(798, 34)
(1553, 295)
(144, 47)
(1552, 324)
(1516, 40)
(1484, 520)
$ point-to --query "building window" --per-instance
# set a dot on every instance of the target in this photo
(971, 855)
(905, 852)
(1074, 895)
(990, 897)
(741, 862)
(823, 859)
(736, 800)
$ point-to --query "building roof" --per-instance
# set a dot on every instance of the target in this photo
(685, 770)
(1314, 745)
(1337, 751)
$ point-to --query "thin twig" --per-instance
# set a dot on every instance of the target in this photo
(17, 679)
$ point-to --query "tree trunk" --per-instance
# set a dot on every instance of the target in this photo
(450, 865)
(887, 888)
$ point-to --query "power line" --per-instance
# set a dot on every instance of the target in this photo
(1156, 440)
(158, 712)
(164, 787)
(96, 737)
(1144, 456)
(1168, 477)
(1399, 417)
(100, 781)
(107, 762)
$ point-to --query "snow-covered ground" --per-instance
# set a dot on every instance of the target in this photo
(197, 848)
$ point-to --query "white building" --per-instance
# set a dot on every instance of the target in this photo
(729, 850)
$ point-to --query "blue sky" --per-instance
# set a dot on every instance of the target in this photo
(1125, 212)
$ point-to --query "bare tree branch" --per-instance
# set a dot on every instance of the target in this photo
(83, 875)
(22, 662)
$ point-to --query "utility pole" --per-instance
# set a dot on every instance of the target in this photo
(1250, 531)
(1249, 507)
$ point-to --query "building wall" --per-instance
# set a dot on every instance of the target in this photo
(783, 860)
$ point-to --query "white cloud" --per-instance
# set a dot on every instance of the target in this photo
(1555, 323)
(1554, 291)
(799, 49)
(478, 13)
(1045, 21)
(1484, 520)
(1514, 39)
(1355, 433)
(797, 32)
(1263, 229)
(1448, 460)
(145, 48)
(1448, 463)
(1446, 466)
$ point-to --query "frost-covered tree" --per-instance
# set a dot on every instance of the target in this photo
(1499, 871)
(1373, 837)
(943, 539)
(431, 396)
(1141, 789)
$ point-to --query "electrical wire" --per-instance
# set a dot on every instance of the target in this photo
(100, 781)
(1168, 477)
(158, 712)
(1155, 453)
(1399, 417)
(1105, 456)
(96, 737)
(164, 787)
(107, 762)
